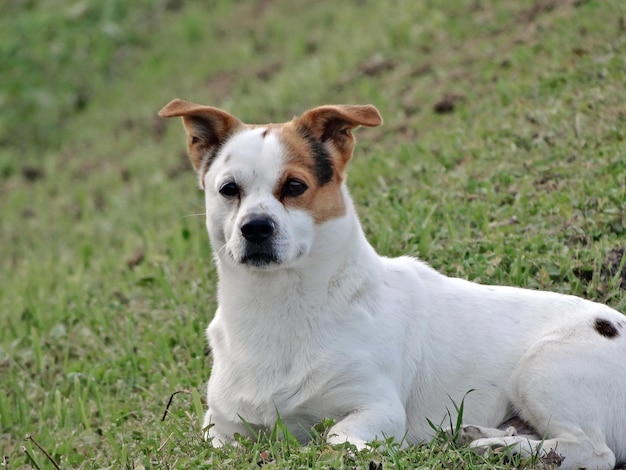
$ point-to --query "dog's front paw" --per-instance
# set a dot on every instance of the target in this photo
(215, 439)
(211, 438)
(338, 439)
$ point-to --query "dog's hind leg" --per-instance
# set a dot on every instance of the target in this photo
(470, 433)
(570, 388)
(567, 451)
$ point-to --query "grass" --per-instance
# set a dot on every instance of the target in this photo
(501, 160)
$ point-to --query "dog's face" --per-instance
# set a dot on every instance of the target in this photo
(270, 188)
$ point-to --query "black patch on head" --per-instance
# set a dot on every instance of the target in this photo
(323, 164)
(606, 328)
(208, 158)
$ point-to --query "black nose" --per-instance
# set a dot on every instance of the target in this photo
(258, 229)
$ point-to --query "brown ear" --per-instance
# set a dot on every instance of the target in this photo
(332, 124)
(206, 127)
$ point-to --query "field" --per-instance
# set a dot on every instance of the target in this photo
(502, 160)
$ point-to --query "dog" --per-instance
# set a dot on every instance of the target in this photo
(312, 323)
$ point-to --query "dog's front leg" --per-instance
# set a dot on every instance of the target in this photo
(219, 431)
(374, 421)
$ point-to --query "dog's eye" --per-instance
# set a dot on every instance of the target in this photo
(294, 188)
(229, 190)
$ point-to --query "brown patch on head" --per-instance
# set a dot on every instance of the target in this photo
(605, 328)
(207, 128)
(311, 164)
(318, 146)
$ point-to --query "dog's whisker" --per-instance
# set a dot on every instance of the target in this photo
(199, 214)
(222, 248)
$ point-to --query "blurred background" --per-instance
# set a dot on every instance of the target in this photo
(502, 160)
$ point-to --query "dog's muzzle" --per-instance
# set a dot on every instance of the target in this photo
(258, 231)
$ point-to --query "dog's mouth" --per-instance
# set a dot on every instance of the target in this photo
(259, 259)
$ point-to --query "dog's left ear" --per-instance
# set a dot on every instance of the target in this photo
(207, 128)
(333, 124)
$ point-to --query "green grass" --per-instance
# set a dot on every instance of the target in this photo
(106, 280)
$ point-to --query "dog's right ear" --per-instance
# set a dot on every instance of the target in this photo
(206, 127)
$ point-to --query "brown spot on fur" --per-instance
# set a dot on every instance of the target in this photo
(319, 145)
(606, 328)
(323, 198)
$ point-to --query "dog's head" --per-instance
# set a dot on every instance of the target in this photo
(269, 188)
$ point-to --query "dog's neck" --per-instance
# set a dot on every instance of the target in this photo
(338, 267)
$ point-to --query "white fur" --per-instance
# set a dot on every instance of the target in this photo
(381, 345)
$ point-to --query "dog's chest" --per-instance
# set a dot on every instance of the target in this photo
(289, 342)
(259, 380)
(293, 365)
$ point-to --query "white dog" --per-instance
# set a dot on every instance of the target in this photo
(313, 323)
